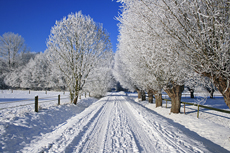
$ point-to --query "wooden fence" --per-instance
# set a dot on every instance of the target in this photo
(198, 107)
(36, 102)
(37, 106)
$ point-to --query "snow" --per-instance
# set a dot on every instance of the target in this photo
(115, 123)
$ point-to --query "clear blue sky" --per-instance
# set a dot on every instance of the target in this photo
(33, 19)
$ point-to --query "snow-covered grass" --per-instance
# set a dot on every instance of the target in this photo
(22, 124)
(19, 102)
(212, 125)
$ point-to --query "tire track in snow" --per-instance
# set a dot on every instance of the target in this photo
(119, 137)
(94, 138)
(167, 138)
(110, 133)
(143, 137)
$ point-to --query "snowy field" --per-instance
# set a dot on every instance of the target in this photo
(16, 103)
(115, 123)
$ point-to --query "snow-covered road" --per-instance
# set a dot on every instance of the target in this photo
(118, 124)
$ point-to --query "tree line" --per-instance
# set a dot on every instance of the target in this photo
(165, 45)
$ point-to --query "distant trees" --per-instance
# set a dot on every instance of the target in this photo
(20, 68)
(100, 80)
(121, 73)
(13, 54)
(11, 46)
(77, 45)
(37, 74)
(164, 42)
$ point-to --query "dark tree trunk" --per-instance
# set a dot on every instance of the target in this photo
(143, 96)
(210, 90)
(158, 98)
(211, 93)
(139, 93)
(191, 92)
(75, 100)
(150, 95)
(227, 97)
(175, 94)
(71, 96)
(222, 85)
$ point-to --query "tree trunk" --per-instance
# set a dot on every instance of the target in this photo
(223, 86)
(175, 95)
(75, 100)
(158, 98)
(143, 96)
(227, 97)
(71, 96)
(150, 95)
(191, 93)
(139, 94)
(211, 93)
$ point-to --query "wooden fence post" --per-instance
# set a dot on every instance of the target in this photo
(46, 92)
(58, 99)
(29, 91)
(36, 104)
(166, 103)
(198, 111)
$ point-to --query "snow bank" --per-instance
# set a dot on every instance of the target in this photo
(21, 124)
(212, 125)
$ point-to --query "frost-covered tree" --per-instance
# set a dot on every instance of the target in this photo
(120, 72)
(100, 79)
(11, 45)
(14, 54)
(77, 45)
(193, 35)
(24, 57)
(150, 54)
(127, 72)
(202, 29)
(37, 74)
(129, 62)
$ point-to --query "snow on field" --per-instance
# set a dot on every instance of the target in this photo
(115, 123)
(20, 125)
(19, 102)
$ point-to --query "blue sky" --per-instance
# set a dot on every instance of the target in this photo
(33, 19)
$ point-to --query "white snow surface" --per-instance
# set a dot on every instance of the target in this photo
(115, 123)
